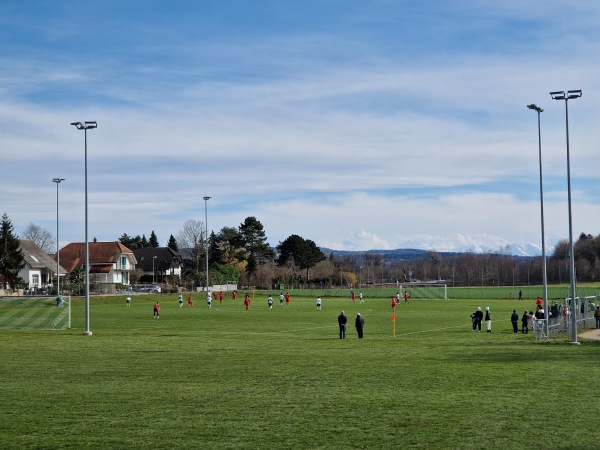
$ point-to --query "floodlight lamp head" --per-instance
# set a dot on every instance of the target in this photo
(535, 107)
(574, 94)
(558, 95)
(85, 125)
(57, 180)
(206, 198)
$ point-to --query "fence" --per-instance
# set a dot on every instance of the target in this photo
(559, 317)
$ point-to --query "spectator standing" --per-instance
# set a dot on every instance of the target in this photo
(597, 316)
(342, 321)
(531, 320)
(525, 323)
(477, 319)
(514, 319)
(359, 323)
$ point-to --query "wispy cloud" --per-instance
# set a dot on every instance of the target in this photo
(347, 129)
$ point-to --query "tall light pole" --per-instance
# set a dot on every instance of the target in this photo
(544, 273)
(566, 96)
(206, 237)
(57, 181)
(86, 126)
(153, 270)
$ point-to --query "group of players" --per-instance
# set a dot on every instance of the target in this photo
(282, 299)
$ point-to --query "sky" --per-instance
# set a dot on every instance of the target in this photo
(357, 124)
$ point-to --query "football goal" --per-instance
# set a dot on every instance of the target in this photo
(424, 291)
(35, 313)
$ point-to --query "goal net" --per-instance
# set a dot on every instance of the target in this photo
(35, 313)
(424, 291)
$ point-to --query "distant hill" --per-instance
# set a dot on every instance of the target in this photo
(402, 254)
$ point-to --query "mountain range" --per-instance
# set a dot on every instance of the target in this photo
(408, 254)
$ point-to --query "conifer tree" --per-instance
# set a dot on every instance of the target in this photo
(153, 240)
(11, 256)
(172, 244)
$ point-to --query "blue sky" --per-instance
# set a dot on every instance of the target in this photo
(359, 125)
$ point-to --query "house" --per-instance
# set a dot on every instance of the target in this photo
(159, 264)
(39, 268)
(110, 263)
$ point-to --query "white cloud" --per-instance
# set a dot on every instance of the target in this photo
(353, 151)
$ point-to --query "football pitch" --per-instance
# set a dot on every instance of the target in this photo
(227, 378)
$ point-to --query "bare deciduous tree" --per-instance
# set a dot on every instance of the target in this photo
(191, 237)
(41, 237)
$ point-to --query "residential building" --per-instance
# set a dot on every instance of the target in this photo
(159, 264)
(39, 268)
(110, 263)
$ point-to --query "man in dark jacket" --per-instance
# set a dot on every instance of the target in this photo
(514, 319)
(359, 324)
(477, 319)
(342, 321)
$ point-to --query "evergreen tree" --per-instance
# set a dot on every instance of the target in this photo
(303, 252)
(214, 250)
(255, 241)
(128, 241)
(172, 244)
(153, 240)
(11, 256)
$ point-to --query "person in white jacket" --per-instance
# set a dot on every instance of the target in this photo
(488, 319)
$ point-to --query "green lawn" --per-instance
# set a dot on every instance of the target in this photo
(226, 378)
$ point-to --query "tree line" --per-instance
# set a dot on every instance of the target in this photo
(243, 254)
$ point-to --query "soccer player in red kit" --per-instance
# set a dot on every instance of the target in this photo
(247, 301)
(157, 310)
(393, 303)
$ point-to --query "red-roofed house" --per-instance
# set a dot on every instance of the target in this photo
(110, 263)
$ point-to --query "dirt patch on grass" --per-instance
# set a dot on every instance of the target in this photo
(591, 334)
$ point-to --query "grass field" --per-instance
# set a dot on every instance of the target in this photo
(226, 378)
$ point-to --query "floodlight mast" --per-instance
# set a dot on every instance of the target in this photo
(85, 126)
(566, 96)
(57, 181)
(206, 237)
(539, 110)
